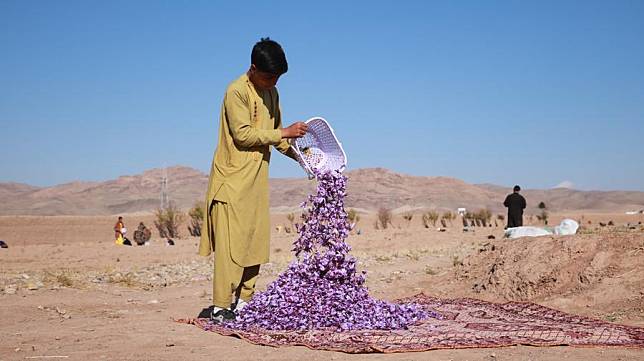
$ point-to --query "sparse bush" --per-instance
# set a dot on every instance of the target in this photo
(384, 218)
(64, 277)
(542, 205)
(448, 216)
(291, 218)
(500, 217)
(430, 271)
(353, 218)
(483, 216)
(168, 221)
(196, 215)
(128, 279)
(430, 217)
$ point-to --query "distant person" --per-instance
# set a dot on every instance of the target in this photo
(515, 204)
(142, 234)
(119, 233)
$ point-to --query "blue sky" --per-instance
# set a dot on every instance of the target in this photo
(502, 92)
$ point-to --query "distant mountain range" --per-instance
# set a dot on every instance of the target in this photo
(369, 189)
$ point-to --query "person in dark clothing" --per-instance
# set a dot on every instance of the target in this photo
(515, 204)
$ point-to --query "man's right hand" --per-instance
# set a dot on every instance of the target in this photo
(295, 130)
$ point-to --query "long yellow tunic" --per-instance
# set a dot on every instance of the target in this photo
(250, 123)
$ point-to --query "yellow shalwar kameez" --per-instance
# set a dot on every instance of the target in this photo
(237, 225)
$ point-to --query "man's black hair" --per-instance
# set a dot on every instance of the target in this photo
(268, 56)
(517, 188)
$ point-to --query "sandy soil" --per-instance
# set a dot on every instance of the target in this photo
(67, 290)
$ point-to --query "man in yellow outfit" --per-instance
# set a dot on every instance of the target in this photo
(237, 225)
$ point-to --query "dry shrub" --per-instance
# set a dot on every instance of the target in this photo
(168, 221)
(430, 271)
(353, 217)
(384, 218)
(64, 277)
(430, 217)
(128, 279)
(449, 216)
(484, 216)
(196, 215)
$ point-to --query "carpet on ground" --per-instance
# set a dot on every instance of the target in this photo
(464, 323)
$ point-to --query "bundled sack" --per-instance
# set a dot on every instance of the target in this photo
(566, 227)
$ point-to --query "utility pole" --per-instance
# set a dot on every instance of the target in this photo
(164, 189)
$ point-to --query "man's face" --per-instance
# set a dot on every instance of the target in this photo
(262, 79)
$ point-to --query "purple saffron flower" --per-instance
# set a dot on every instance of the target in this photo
(322, 288)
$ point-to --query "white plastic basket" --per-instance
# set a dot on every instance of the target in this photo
(319, 149)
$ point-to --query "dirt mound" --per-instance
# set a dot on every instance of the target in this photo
(582, 265)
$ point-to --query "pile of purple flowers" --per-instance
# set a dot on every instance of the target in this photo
(321, 288)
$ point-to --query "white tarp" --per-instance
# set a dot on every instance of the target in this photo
(566, 227)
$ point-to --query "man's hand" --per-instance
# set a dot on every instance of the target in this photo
(295, 130)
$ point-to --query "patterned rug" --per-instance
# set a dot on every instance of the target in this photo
(465, 323)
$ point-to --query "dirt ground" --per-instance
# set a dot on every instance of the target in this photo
(67, 290)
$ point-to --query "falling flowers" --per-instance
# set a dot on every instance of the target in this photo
(322, 288)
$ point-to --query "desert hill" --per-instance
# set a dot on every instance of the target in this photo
(369, 189)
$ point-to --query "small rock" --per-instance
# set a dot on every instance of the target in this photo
(153, 302)
(169, 344)
(17, 349)
(61, 311)
(10, 290)
(32, 286)
(25, 276)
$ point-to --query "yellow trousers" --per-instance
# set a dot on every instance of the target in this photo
(229, 279)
